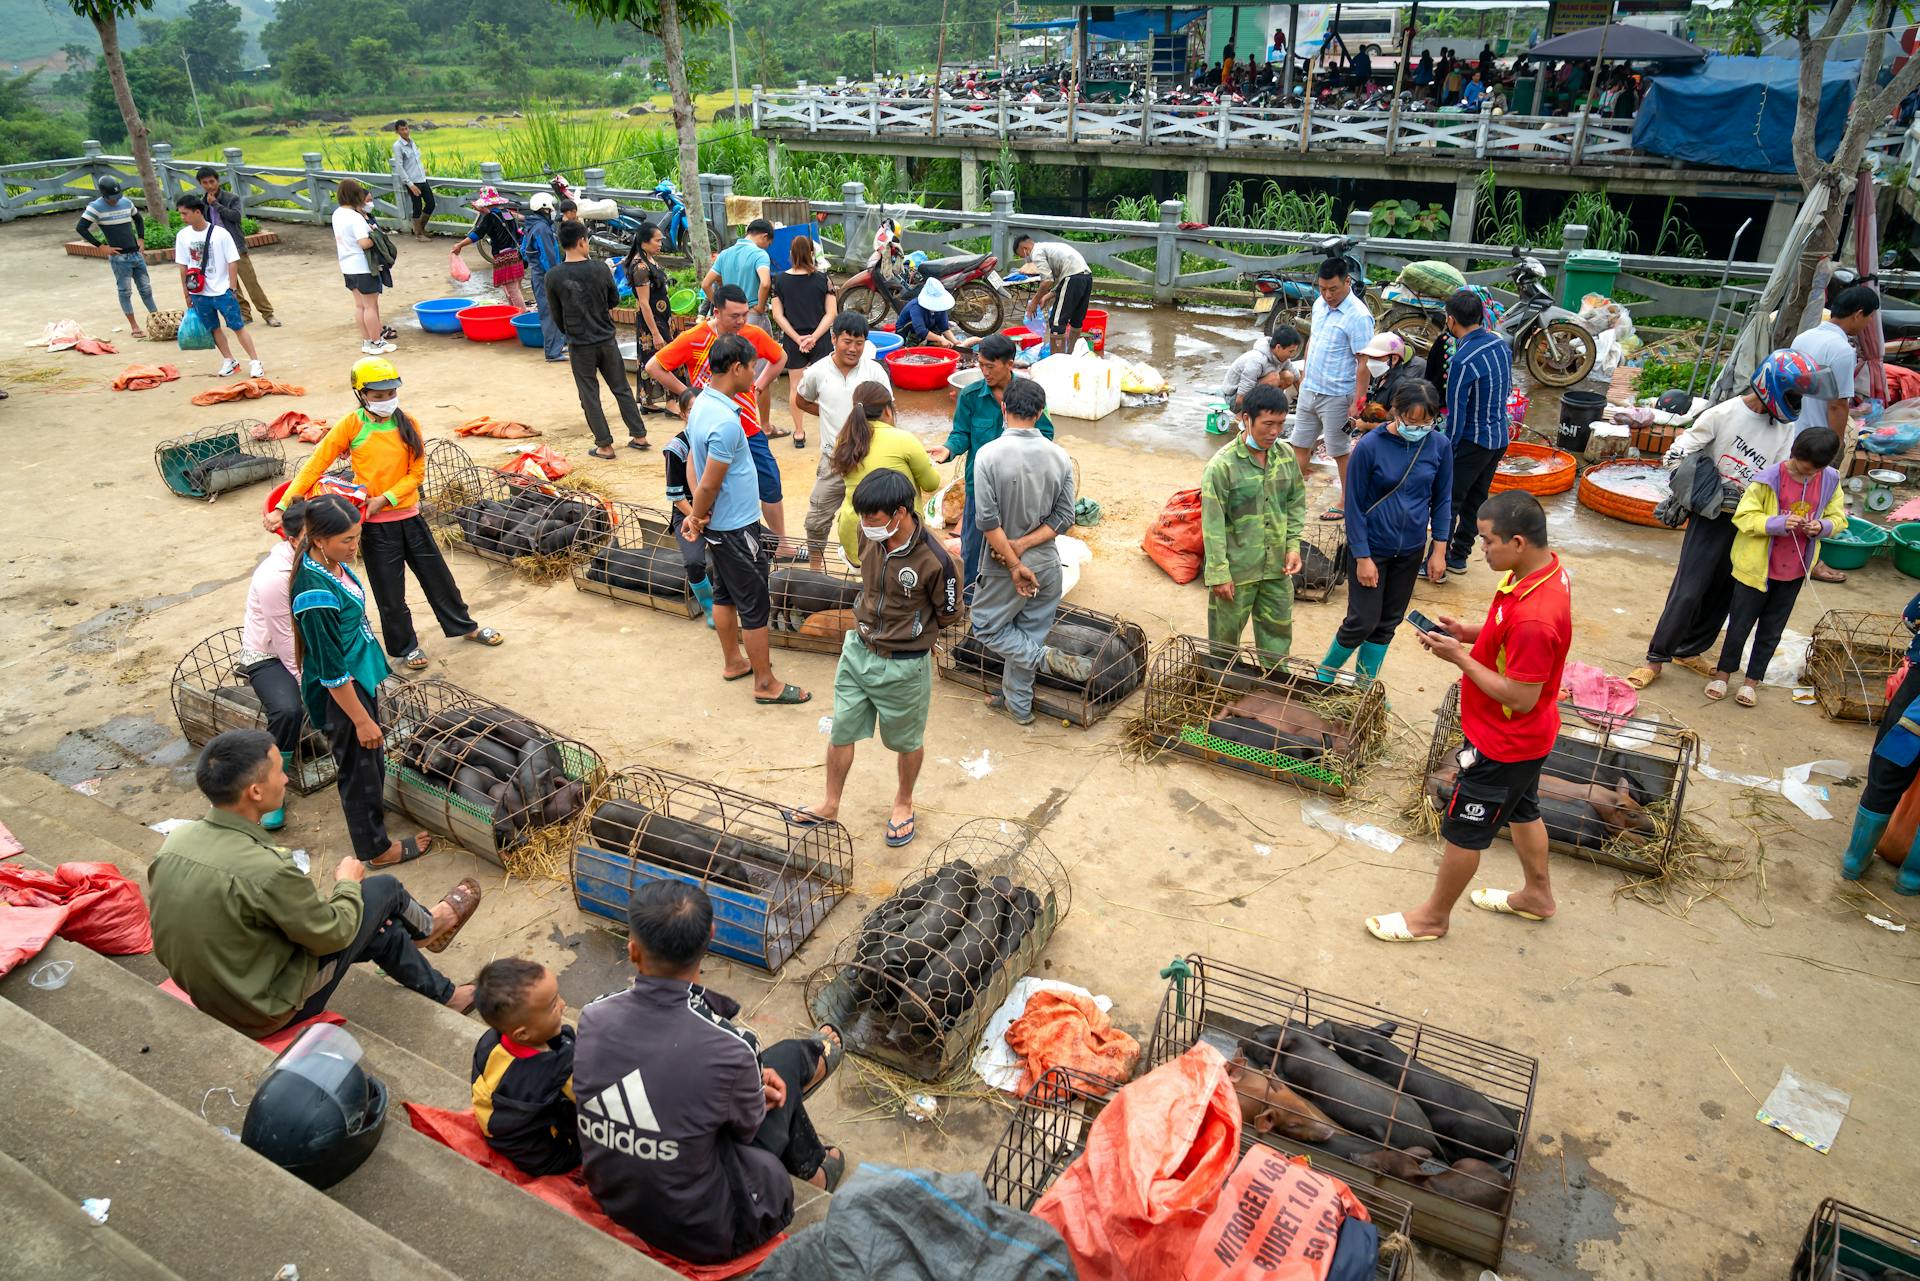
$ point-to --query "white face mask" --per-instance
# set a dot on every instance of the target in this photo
(1376, 367)
(879, 533)
(383, 408)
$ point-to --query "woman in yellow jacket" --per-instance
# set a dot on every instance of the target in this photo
(864, 445)
(389, 462)
(1776, 544)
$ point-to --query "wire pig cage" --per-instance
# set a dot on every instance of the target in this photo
(1846, 1243)
(1117, 648)
(641, 562)
(812, 608)
(772, 882)
(209, 462)
(1383, 1100)
(1852, 658)
(211, 695)
(1324, 560)
(915, 984)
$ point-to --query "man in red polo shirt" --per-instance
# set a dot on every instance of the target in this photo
(1509, 711)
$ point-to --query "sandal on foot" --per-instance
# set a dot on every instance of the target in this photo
(1495, 901)
(638, 442)
(799, 440)
(737, 676)
(833, 1049)
(789, 696)
(834, 1167)
(1641, 677)
(464, 899)
(1392, 928)
(900, 833)
(604, 452)
(1334, 513)
(803, 818)
(411, 848)
(415, 659)
(1716, 689)
(485, 636)
(775, 433)
(1747, 697)
(1698, 663)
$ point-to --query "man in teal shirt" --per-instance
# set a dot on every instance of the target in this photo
(747, 264)
(979, 417)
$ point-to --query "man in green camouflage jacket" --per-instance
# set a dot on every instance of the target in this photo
(1253, 510)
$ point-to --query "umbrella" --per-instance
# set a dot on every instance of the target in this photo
(1617, 42)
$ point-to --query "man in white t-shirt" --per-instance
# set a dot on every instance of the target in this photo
(826, 391)
(206, 254)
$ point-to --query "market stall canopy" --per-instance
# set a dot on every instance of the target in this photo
(1129, 24)
(1737, 113)
(1617, 42)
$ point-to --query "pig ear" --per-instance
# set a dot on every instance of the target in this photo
(1386, 1029)
(1265, 1121)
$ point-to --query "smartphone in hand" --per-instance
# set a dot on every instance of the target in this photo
(1424, 623)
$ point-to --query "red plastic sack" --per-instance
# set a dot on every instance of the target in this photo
(1133, 1205)
(457, 268)
(1173, 541)
(1278, 1219)
(98, 908)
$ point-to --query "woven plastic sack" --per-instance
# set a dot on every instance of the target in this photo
(194, 334)
(1278, 1219)
(1432, 278)
(1133, 1205)
(92, 904)
(1173, 541)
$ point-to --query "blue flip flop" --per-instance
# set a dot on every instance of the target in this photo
(895, 839)
(803, 818)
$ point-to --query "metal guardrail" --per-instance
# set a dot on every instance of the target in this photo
(1158, 259)
(1563, 140)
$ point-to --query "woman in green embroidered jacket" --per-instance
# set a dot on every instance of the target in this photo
(341, 668)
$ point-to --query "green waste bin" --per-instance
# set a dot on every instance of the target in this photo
(1588, 271)
(1523, 89)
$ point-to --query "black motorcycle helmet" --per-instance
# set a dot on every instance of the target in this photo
(1673, 401)
(109, 186)
(317, 1115)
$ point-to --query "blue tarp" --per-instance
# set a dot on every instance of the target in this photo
(1133, 24)
(1737, 113)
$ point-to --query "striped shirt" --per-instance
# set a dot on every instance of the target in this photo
(1337, 334)
(1479, 380)
(118, 221)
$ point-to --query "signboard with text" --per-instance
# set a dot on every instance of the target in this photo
(1578, 15)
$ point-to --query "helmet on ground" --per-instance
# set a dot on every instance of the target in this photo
(109, 185)
(374, 373)
(1674, 400)
(542, 202)
(317, 1115)
(1782, 381)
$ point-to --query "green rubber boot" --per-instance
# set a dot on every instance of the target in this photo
(1337, 656)
(274, 820)
(1908, 882)
(1868, 828)
(1372, 656)
(703, 592)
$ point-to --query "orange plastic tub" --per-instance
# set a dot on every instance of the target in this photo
(1539, 470)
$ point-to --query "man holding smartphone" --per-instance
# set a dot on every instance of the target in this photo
(1509, 712)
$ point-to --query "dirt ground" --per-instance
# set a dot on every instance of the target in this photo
(1653, 1030)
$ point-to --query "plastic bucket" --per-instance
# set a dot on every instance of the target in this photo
(441, 315)
(1906, 548)
(1867, 538)
(527, 325)
(1581, 408)
(882, 342)
(683, 302)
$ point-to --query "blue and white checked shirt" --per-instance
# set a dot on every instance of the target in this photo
(1479, 380)
(1338, 333)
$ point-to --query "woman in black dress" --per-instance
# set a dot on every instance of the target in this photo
(803, 307)
(655, 327)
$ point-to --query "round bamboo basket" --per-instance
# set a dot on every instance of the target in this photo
(1596, 497)
(1556, 477)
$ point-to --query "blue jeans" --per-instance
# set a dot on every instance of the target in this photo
(214, 308)
(129, 271)
(552, 338)
(1015, 627)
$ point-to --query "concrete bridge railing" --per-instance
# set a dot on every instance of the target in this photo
(857, 111)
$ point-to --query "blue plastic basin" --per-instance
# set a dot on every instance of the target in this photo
(527, 326)
(883, 342)
(441, 315)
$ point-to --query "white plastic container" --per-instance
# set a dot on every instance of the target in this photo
(1079, 386)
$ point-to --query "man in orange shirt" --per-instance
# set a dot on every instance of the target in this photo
(682, 363)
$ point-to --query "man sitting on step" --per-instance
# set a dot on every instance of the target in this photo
(249, 937)
(688, 1130)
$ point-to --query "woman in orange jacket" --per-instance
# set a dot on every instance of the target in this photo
(389, 462)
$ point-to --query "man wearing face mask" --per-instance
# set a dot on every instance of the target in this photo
(909, 590)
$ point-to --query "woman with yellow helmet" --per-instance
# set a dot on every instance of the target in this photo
(389, 461)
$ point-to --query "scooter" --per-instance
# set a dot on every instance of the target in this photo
(1280, 298)
(981, 299)
(1558, 349)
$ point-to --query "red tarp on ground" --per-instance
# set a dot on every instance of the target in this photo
(247, 389)
(141, 377)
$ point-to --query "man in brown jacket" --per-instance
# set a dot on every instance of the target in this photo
(245, 933)
(909, 590)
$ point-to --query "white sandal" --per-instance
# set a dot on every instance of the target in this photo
(1716, 689)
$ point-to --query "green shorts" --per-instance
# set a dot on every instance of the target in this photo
(896, 692)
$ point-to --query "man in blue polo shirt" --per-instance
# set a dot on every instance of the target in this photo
(1479, 381)
(979, 416)
(1333, 386)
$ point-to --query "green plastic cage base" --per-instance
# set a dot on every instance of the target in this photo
(179, 460)
(576, 764)
(1195, 737)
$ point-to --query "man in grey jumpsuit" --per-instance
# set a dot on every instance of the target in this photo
(1023, 498)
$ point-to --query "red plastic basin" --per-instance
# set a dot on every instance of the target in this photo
(492, 323)
(1023, 337)
(916, 376)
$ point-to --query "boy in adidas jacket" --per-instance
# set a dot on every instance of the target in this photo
(688, 1133)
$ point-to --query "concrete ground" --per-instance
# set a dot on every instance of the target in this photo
(1654, 1029)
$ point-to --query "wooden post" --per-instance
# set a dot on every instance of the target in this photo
(939, 68)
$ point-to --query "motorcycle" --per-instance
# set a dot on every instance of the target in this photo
(1283, 299)
(1558, 350)
(981, 299)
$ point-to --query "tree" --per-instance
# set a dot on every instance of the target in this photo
(307, 70)
(26, 131)
(211, 36)
(666, 20)
(1872, 105)
(105, 16)
(500, 55)
(333, 25)
(154, 77)
(372, 60)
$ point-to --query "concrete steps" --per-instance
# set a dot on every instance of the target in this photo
(439, 1203)
(187, 1197)
(59, 825)
(47, 1235)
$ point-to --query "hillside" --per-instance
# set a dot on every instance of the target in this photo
(35, 30)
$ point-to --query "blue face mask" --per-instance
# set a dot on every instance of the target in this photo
(1414, 435)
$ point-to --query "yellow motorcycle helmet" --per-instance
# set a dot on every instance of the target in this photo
(374, 373)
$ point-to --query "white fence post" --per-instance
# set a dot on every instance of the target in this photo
(1359, 223)
(163, 172)
(1166, 250)
(1003, 115)
(316, 204)
(1221, 120)
(1000, 203)
(813, 111)
(757, 91)
(1480, 134)
(232, 157)
(873, 112)
(853, 215)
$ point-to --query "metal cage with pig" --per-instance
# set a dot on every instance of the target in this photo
(1117, 648)
(772, 881)
(211, 696)
(1845, 1243)
(515, 522)
(1324, 560)
(640, 562)
(213, 460)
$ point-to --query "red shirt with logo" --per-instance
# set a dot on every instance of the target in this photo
(1528, 631)
(687, 356)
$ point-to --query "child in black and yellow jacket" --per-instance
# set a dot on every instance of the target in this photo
(523, 1068)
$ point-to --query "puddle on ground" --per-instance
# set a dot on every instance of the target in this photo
(121, 743)
(1563, 1204)
(599, 964)
(99, 634)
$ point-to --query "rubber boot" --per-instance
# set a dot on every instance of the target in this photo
(703, 592)
(1908, 882)
(1337, 655)
(1370, 659)
(274, 820)
(420, 227)
(1868, 828)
